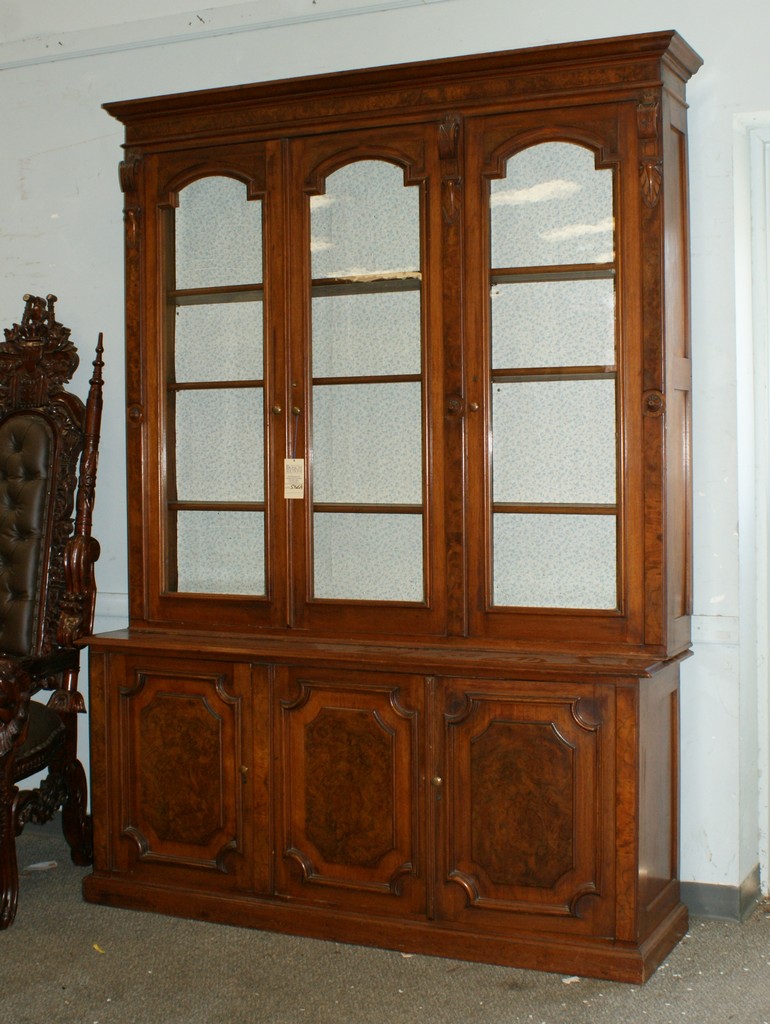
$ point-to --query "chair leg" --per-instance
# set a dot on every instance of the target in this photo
(76, 822)
(14, 701)
(9, 869)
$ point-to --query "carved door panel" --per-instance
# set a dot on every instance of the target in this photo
(527, 808)
(184, 764)
(349, 790)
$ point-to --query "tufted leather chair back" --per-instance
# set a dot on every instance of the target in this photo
(27, 456)
(43, 433)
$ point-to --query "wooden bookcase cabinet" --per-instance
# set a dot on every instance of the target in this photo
(409, 526)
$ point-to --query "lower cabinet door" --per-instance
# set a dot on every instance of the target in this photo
(184, 769)
(349, 790)
(527, 807)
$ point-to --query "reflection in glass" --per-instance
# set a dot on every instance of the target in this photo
(553, 323)
(554, 561)
(554, 441)
(218, 235)
(553, 207)
(366, 223)
(374, 557)
(221, 552)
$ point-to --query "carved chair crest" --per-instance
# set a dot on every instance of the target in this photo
(37, 358)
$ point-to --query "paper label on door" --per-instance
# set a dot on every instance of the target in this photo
(294, 478)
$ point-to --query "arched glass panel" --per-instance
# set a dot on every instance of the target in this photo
(552, 208)
(215, 420)
(553, 381)
(366, 352)
(218, 235)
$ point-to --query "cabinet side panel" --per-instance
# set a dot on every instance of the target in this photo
(648, 803)
(678, 430)
(98, 670)
(658, 797)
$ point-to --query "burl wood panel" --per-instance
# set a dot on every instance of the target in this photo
(182, 800)
(525, 791)
(179, 744)
(522, 780)
(349, 765)
(351, 787)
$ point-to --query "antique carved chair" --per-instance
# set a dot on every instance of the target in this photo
(48, 455)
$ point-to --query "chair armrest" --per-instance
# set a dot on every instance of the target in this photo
(76, 617)
(78, 603)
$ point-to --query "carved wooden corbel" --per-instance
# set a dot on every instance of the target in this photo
(651, 167)
(650, 180)
(128, 173)
(647, 116)
(131, 222)
(451, 181)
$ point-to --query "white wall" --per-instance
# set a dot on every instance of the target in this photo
(60, 231)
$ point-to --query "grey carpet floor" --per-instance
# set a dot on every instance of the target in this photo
(68, 962)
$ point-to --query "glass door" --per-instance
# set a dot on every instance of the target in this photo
(552, 380)
(215, 393)
(366, 372)
(211, 553)
(550, 365)
(370, 542)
